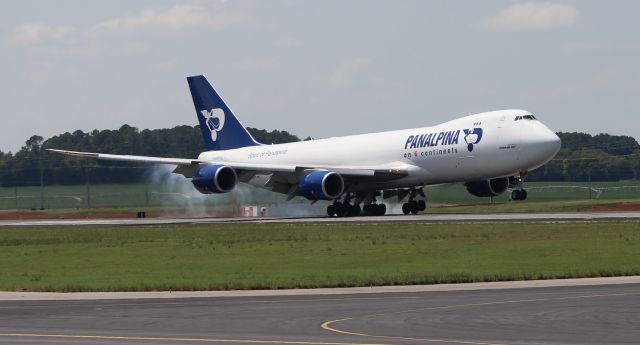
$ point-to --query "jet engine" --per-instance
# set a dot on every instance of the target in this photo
(321, 185)
(485, 188)
(214, 179)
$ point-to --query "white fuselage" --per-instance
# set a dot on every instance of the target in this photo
(509, 145)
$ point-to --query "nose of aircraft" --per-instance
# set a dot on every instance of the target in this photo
(540, 146)
(550, 142)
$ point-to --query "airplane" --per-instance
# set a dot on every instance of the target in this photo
(488, 152)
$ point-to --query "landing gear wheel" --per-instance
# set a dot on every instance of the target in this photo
(353, 210)
(369, 210)
(382, 209)
(374, 210)
(519, 194)
(406, 208)
(340, 209)
(331, 210)
(422, 205)
(413, 207)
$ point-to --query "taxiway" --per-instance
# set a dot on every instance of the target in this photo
(571, 314)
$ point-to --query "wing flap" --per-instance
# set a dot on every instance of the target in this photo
(359, 171)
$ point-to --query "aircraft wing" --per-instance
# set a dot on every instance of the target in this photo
(186, 167)
(127, 158)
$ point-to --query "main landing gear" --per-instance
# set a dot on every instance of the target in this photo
(345, 209)
(348, 209)
(412, 206)
(374, 209)
(350, 205)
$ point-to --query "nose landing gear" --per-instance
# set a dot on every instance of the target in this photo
(518, 192)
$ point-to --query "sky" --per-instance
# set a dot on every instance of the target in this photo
(321, 68)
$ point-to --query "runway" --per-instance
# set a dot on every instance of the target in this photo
(420, 218)
(587, 314)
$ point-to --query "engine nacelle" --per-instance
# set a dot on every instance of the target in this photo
(321, 185)
(485, 188)
(214, 179)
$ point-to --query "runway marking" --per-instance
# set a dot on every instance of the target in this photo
(195, 340)
(328, 325)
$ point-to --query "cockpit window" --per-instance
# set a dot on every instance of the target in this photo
(525, 117)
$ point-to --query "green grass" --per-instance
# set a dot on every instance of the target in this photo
(180, 194)
(180, 199)
(273, 256)
(544, 191)
(530, 206)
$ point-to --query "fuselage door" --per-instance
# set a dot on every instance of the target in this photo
(501, 121)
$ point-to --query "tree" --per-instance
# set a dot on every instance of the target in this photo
(34, 144)
(273, 137)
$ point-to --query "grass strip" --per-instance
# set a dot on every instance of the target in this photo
(277, 256)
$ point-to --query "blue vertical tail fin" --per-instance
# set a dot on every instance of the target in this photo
(221, 130)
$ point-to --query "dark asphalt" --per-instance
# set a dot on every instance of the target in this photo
(608, 314)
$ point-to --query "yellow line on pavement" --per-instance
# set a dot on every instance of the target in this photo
(330, 325)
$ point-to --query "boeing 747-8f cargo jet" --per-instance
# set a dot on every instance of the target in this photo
(488, 152)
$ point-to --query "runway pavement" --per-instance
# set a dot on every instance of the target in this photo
(424, 218)
(586, 314)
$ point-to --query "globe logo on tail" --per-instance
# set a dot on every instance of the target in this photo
(472, 137)
(214, 119)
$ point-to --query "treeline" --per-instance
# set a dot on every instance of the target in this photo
(32, 162)
(583, 157)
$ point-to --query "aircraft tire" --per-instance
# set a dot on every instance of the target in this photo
(406, 209)
(355, 210)
(413, 207)
(516, 194)
(422, 205)
(331, 210)
(381, 209)
(523, 195)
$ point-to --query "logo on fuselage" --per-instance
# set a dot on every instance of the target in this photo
(472, 137)
(214, 119)
(432, 139)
